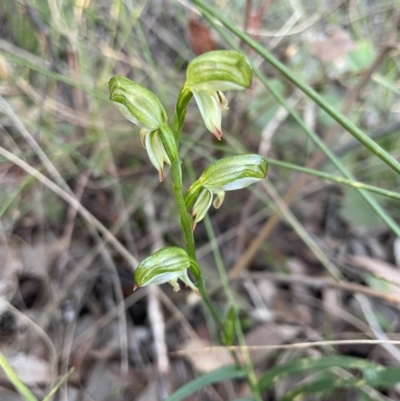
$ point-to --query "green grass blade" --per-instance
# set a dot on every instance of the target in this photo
(251, 377)
(313, 136)
(16, 381)
(377, 379)
(335, 178)
(54, 75)
(272, 376)
(385, 378)
(58, 385)
(324, 386)
(215, 376)
(288, 74)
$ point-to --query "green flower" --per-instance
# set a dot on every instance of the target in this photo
(142, 108)
(166, 265)
(210, 74)
(227, 174)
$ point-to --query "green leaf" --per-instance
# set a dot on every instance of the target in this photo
(361, 58)
(356, 212)
(268, 379)
(215, 376)
(375, 378)
(25, 392)
(324, 386)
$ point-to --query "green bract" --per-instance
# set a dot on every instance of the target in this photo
(227, 174)
(142, 107)
(166, 265)
(210, 74)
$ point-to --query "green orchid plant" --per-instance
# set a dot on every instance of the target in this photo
(208, 76)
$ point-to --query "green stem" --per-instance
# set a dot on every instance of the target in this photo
(251, 376)
(207, 300)
(180, 112)
(335, 178)
(185, 219)
(288, 74)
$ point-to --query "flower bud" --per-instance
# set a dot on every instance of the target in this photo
(142, 107)
(227, 174)
(210, 74)
(136, 103)
(166, 265)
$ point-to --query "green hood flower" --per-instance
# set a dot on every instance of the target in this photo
(142, 108)
(166, 265)
(210, 74)
(227, 174)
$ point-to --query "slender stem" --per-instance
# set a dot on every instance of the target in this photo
(335, 178)
(207, 300)
(228, 292)
(186, 220)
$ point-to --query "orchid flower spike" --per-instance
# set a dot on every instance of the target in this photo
(209, 75)
(167, 265)
(142, 108)
(227, 174)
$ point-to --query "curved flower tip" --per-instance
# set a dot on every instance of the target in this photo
(143, 108)
(156, 151)
(211, 104)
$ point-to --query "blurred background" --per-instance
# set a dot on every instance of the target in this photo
(306, 259)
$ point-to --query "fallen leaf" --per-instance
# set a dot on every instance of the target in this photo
(271, 334)
(334, 47)
(380, 269)
(200, 37)
(208, 360)
(29, 368)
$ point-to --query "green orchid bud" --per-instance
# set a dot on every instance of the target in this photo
(137, 104)
(227, 174)
(142, 107)
(210, 74)
(166, 265)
